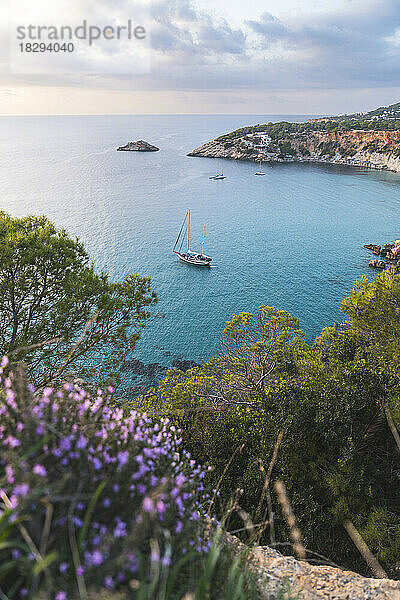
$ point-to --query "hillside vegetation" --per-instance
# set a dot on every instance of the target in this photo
(288, 444)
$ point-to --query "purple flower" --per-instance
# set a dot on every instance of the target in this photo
(63, 567)
(97, 558)
(120, 529)
(109, 582)
(65, 444)
(11, 441)
(39, 470)
(10, 474)
(148, 505)
(80, 571)
(21, 489)
(81, 443)
(61, 595)
(123, 458)
(179, 527)
(77, 521)
(97, 463)
(161, 508)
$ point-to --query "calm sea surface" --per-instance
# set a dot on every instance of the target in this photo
(291, 239)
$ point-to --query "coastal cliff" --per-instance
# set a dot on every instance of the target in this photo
(374, 149)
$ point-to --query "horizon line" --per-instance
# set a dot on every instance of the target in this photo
(180, 114)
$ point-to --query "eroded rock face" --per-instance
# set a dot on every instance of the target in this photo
(139, 146)
(375, 149)
(273, 571)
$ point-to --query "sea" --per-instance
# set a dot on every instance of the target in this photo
(292, 239)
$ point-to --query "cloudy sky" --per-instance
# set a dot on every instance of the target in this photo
(208, 56)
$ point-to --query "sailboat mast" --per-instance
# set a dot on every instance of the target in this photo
(202, 245)
(188, 231)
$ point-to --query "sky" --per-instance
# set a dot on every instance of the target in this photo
(205, 56)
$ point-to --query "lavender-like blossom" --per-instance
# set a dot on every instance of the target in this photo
(39, 470)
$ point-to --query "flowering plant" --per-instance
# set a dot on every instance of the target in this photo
(91, 496)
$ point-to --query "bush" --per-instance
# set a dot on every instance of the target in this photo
(91, 497)
(338, 457)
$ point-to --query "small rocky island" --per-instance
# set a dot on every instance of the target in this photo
(139, 146)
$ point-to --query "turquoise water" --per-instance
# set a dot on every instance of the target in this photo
(291, 239)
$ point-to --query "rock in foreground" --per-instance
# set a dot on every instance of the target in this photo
(272, 571)
(139, 146)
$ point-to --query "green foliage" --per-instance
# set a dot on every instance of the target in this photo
(55, 306)
(304, 150)
(373, 309)
(328, 148)
(338, 457)
(284, 128)
(286, 148)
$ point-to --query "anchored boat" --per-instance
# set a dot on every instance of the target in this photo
(219, 175)
(260, 172)
(193, 258)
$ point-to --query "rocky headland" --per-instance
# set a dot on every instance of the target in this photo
(139, 146)
(365, 148)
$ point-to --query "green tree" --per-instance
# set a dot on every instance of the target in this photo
(56, 313)
(338, 457)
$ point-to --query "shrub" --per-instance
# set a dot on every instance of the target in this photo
(338, 457)
(91, 497)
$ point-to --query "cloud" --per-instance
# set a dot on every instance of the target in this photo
(357, 45)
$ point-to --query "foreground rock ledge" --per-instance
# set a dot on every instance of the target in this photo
(271, 569)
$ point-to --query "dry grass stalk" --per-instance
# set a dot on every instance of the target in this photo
(295, 532)
(365, 552)
(392, 426)
(266, 493)
(238, 449)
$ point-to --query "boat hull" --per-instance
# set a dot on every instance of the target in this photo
(193, 261)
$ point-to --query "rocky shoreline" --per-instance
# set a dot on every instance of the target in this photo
(311, 148)
(389, 253)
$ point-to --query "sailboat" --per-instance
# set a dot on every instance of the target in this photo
(218, 176)
(193, 258)
(260, 172)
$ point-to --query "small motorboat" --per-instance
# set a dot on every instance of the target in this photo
(220, 174)
(260, 172)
